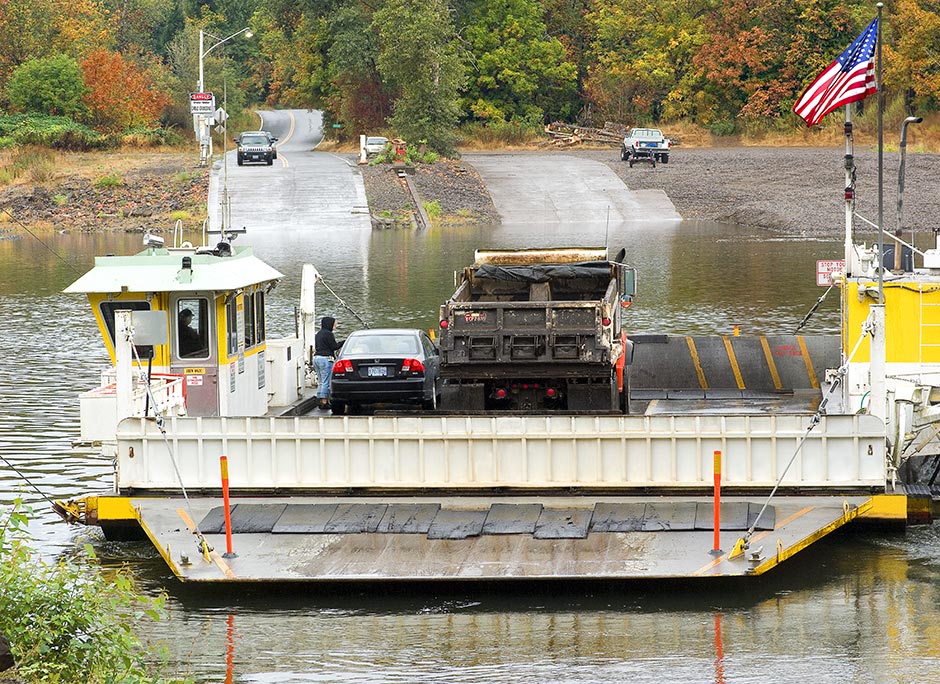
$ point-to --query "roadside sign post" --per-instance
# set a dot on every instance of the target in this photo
(202, 107)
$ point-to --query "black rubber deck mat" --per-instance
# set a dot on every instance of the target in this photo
(457, 524)
(246, 518)
(768, 520)
(304, 519)
(678, 515)
(563, 523)
(355, 518)
(512, 518)
(618, 517)
(408, 518)
(733, 516)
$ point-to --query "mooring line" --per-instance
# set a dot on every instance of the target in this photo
(37, 239)
(27, 480)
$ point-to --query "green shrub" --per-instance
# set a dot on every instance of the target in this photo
(721, 127)
(184, 177)
(49, 85)
(111, 180)
(141, 136)
(57, 132)
(68, 623)
(433, 209)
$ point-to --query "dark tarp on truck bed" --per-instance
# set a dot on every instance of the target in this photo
(543, 273)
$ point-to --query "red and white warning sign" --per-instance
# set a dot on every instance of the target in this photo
(201, 103)
(825, 269)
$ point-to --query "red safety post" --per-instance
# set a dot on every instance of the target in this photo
(223, 462)
(716, 550)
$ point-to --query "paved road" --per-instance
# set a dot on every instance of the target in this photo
(561, 189)
(303, 191)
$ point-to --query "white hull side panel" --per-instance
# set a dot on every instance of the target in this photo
(473, 452)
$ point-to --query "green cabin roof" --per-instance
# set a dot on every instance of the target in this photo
(161, 270)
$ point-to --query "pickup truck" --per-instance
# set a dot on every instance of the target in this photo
(645, 144)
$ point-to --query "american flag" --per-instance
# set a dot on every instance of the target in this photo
(848, 79)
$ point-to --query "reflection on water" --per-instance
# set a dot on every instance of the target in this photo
(854, 610)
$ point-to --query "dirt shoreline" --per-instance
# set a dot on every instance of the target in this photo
(782, 189)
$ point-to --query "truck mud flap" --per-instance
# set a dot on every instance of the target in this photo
(593, 396)
(462, 397)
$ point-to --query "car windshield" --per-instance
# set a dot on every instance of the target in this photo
(403, 344)
(376, 141)
(254, 140)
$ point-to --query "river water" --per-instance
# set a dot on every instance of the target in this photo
(855, 608)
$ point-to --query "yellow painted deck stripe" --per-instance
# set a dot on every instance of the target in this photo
(757, 537)
(770, 363)
(697, 363)
(781, 556)
(223, 566)
(808, 361)
(734, 363)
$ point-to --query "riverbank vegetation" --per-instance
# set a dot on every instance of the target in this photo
(447, 71)
(67, 621)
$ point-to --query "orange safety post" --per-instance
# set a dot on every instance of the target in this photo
(223, 462)
(717, 548)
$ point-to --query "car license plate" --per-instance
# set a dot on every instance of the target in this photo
(377, 371)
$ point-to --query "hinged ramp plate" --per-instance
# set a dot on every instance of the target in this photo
(572, 538)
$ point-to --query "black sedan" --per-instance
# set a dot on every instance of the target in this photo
(385, 366)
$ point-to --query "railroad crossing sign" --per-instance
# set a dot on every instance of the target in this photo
(201, 103)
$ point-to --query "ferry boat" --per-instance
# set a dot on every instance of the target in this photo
(737, 452)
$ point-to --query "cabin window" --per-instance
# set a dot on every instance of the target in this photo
(259, 317)
(107, 313)
(231, 326)
(192, 328)
(251, 338)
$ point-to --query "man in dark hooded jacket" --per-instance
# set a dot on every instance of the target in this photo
(324, 347)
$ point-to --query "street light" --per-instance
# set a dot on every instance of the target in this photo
(903, 148)
(205, 140)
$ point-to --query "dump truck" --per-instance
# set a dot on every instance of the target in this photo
(537, 330)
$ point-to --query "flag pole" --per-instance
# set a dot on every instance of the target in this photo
(881, 155)
(849, 189)
(878, 404)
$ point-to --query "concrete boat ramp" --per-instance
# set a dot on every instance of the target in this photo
(465, 539)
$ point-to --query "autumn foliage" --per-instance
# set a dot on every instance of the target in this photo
(120, 94)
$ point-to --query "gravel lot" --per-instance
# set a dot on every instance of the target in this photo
(789, 190)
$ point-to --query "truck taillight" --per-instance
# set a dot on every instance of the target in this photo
(444, 323)
(500, 393)
(343, 366)
(605, 321)
(551, 393)
(412, 366)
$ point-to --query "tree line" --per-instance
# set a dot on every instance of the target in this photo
(420, 69)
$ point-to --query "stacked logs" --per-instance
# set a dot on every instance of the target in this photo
(563, 135)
